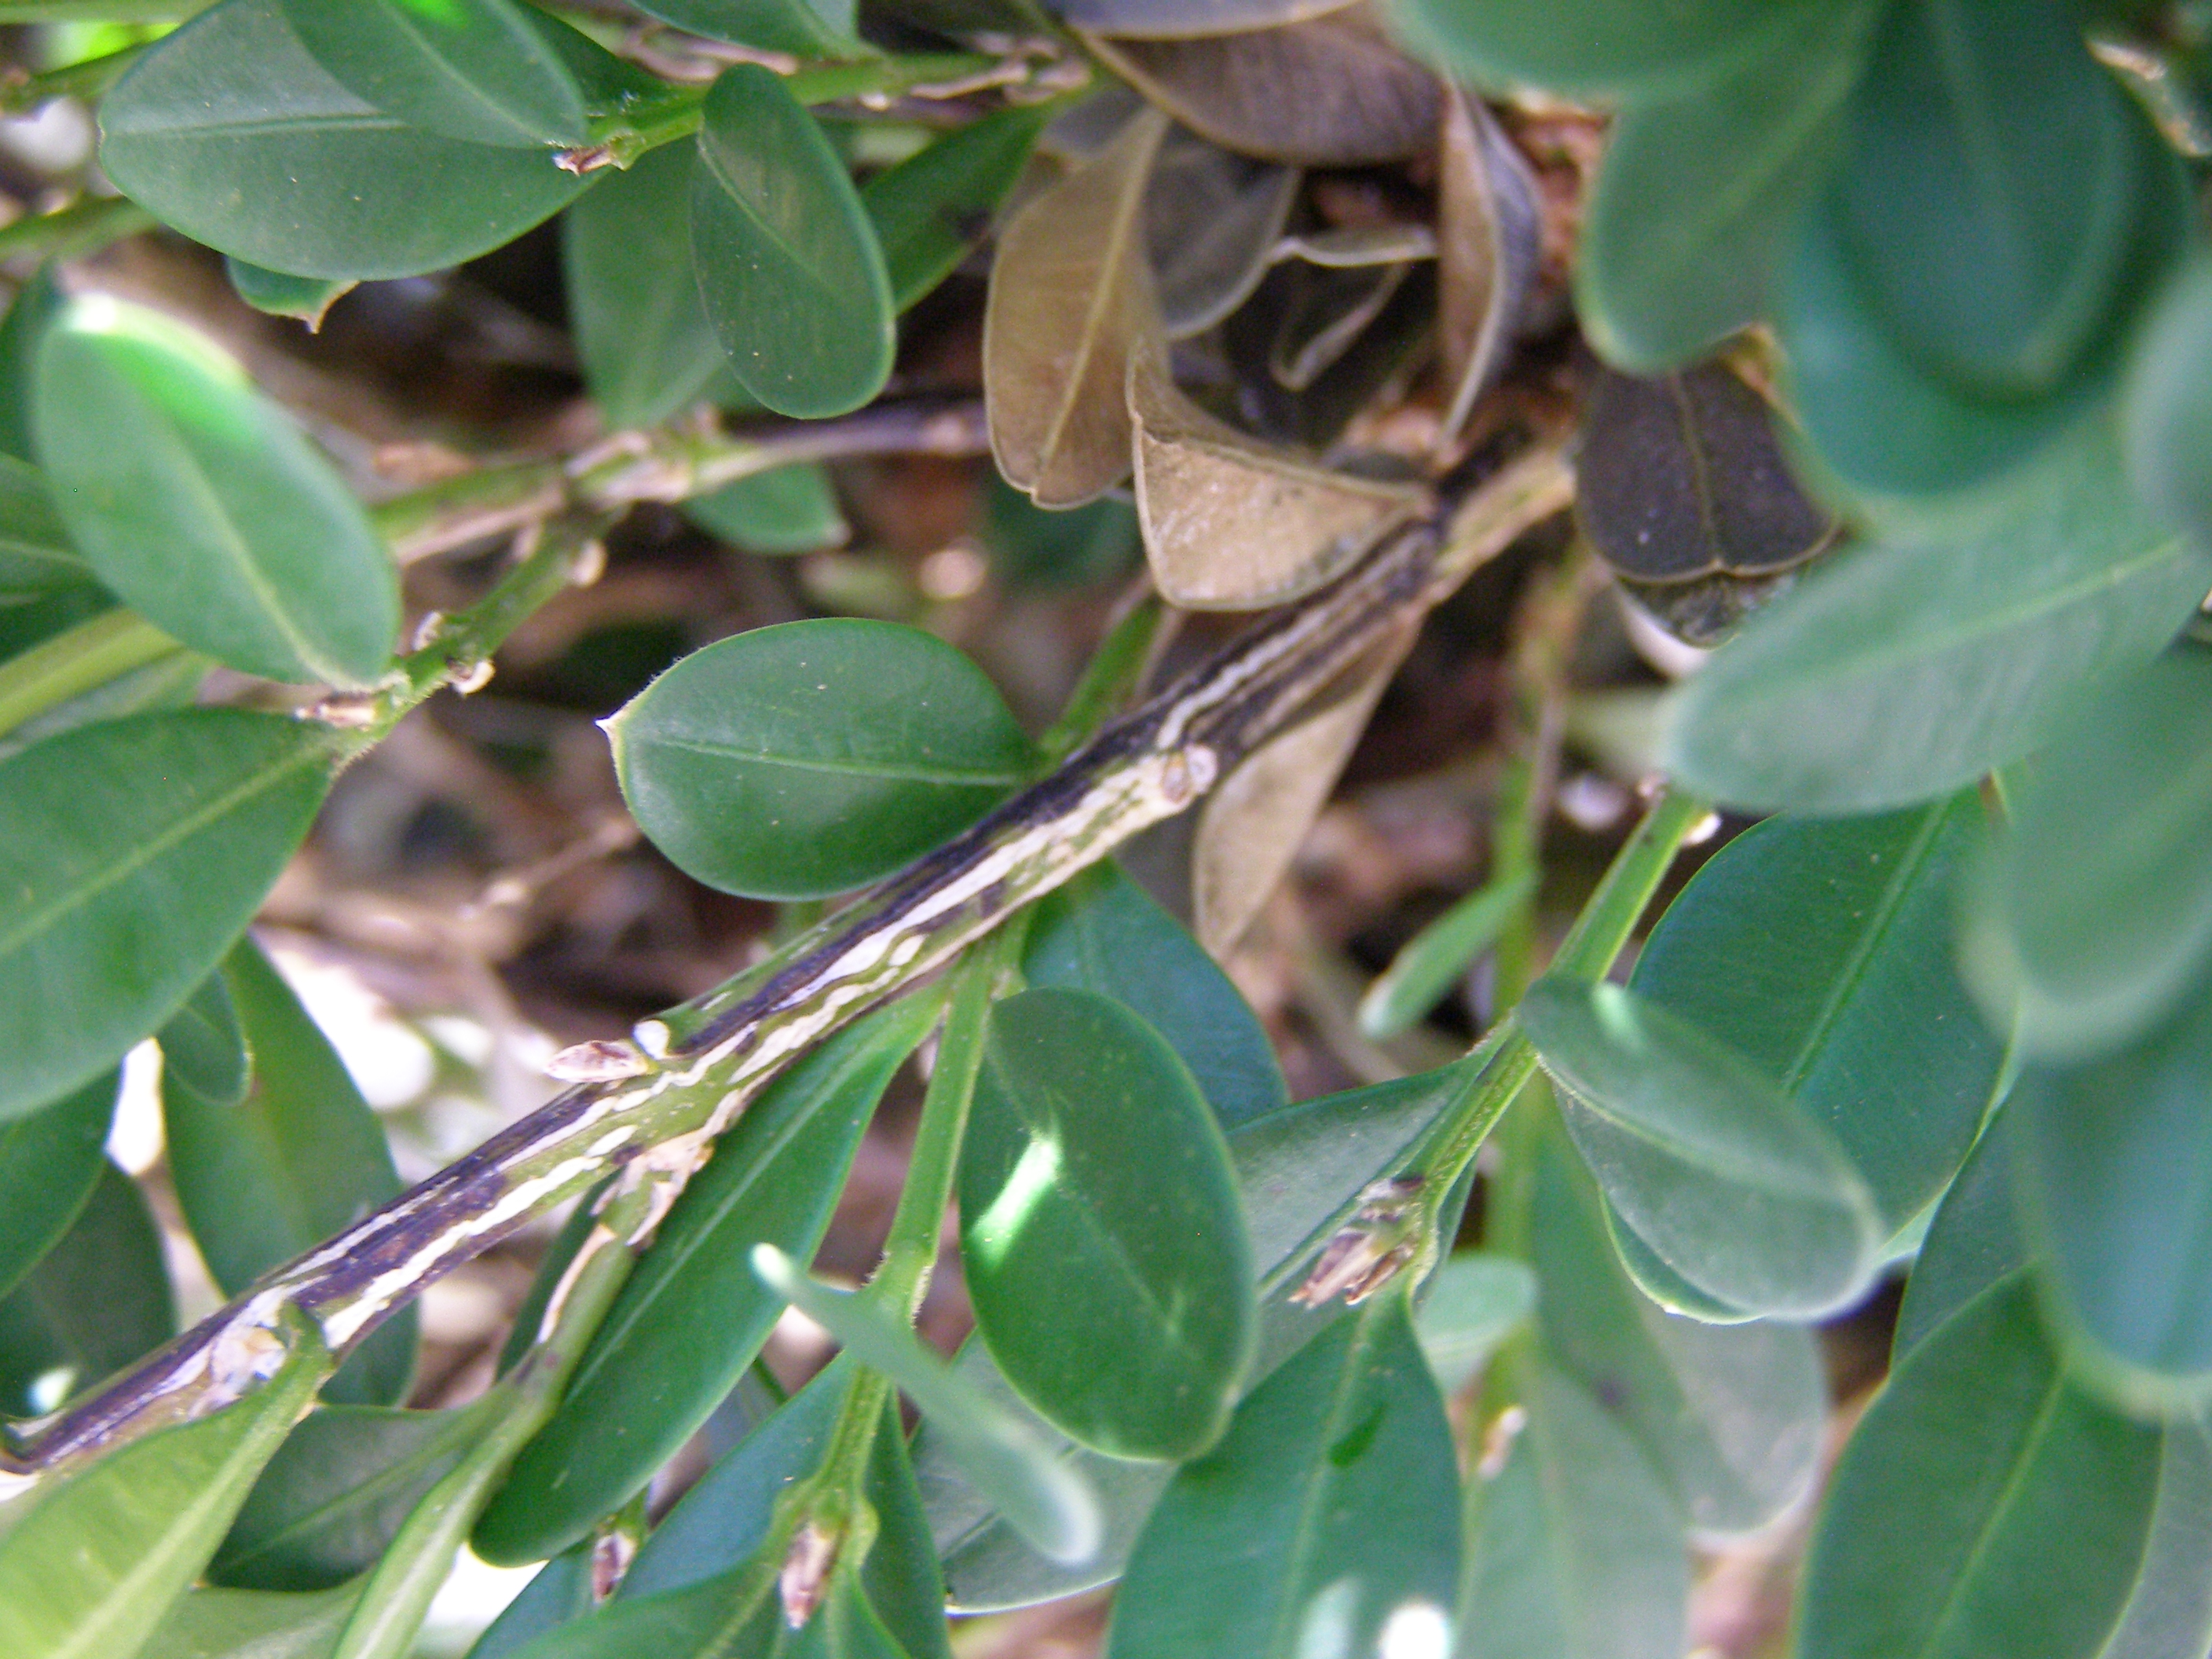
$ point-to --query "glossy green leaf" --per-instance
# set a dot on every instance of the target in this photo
(2111, 1156)
(231, 131)
(1731, 1417)
(36, 554)
(136, 849)
(806, 28)
(201, 505)
(561, 1594)
(786, 509)
(1821, 950)
(1470, 1305)
(1595, 45)
(646, 347)
(2169, 1605)
(336, 1493)
(1100, 1236)
(1046, 1502)
(306, 298)
(1903, 670)
(88, 1573)
(799, 761)
(169, 677)
(933, 208)
(2093, 936)
(1973, 1240)
(300, 1156)
(1102, 933)
(1574, 1549)
(1435, 959)
(1689, 218)
(234, 1624)
(2045, 1502)
(202, 1046)
(789, 267)
(1986, 195)
(50, 1162)
(35, 304)
(692, 1316)
(474, 70)
(1324, 1522)
(2169, 404)
(1749, 1199)
(722, 1520)
(98, 1299)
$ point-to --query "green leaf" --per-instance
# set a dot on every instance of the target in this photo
(933, 208)
(50, 1162)
(692, 1315)
(1471, 1304)
(1731, 1416)
(203, 506)
(229, 130)
(1325, 1517)
(798, 760)
(560, 1594)
(308, 299)
(98, 1299)
(88, 1573)
(1820, 951)
(474, 70)
(36, 554)
(1574, 1550)
(786, 509)
(204, 1049)
(2169, 1606)
(1973, 1240)
(789, 268)
(1595, 45)
(1687, 223)
(2168, 408)
(2112, 1157)
(1043, 1500)
(35, 304)
(647, 346)
(2093, 936)
(1988, 193)
(134, 851)
(2045, 1501)
(805, 28)
(234, 1624)
(268, 1177)
(1748, 1198)
(1904, 670)
(1103, 1244)
(1436, 958)
(1102, 933)
(722, 1521)
(336, 1492)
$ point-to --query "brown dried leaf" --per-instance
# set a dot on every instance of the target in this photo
(1211, 221)
(1331, 309)
(1250, 829)
(1328, 92)
(1490, 231)
(1351, 246)
(1070, 294)
(1174, 19)
(1231, 524)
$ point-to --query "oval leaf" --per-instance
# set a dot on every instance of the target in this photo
(799, 761)
(2046, 1505)
(1748, 1198)
(1070, 300)
(1973, 1240)
(97, 1301)
(474, 70)
(50, 1162)
(786, 509)
(1211, 221)
(203, 506)
(135, 851)
(933, 208)
(203, 1047)
(306, 298)
(1821, 950)
(1904, 670)
(231, 131)
(2169, 418)
(1470, 1305)
(789, 268)
(1103, 1246)
(1489, 242)
(36, 554)
(232, 1624)
(692, 1316)
(1328, 1514)
(91, 1568)
(1596, 45)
